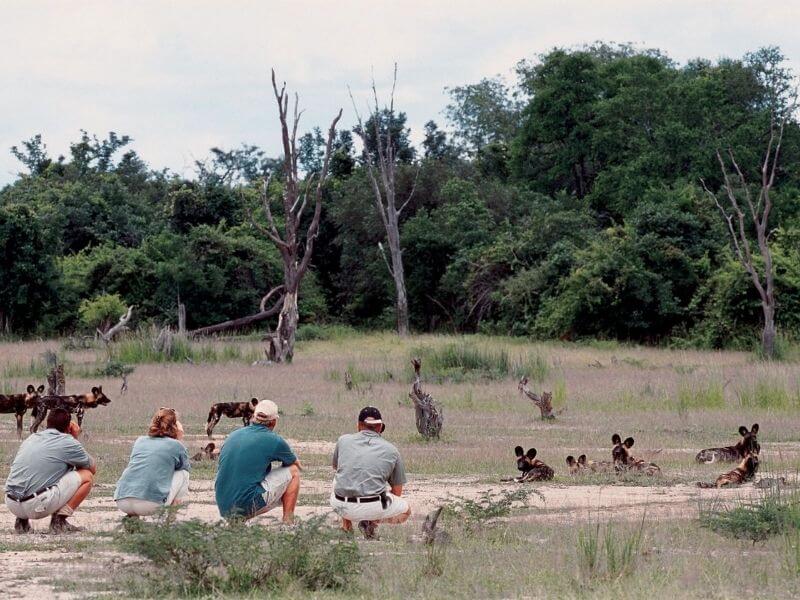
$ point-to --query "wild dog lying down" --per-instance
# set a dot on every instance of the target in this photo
(746, 471)
(748, 444)
(532, 468)
(625, 461)
(582, 466)
(20, 403)
(232, 410)
(208, 452)
(75, 403)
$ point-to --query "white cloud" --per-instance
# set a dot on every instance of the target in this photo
(182, 76)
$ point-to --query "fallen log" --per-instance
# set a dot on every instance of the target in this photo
(242, 322)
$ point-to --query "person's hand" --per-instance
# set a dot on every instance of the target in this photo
(73, 429)
(179, 427)
(299, 466)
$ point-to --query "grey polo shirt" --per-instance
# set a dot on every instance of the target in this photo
(42, 460)
(365, 463)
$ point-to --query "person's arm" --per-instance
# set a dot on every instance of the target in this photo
(397, 478)
(286, 456)
(182, 462)
(335, 458)
(397, 490)
(76, 456)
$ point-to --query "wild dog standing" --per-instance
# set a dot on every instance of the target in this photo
(75, 403)
(232, 410)
(746, 471)
(625, 461)
(532, 468)
(582, 466)
(748, 444)
(20, 403)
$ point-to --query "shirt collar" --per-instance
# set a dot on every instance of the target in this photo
(370, 433)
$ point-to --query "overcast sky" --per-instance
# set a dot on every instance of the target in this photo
(183, 76)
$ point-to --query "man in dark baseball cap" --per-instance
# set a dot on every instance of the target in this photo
(366, 465)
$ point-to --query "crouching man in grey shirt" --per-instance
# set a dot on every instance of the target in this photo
(365, 466)
(50, 476)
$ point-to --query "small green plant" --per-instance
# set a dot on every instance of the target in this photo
(197, 558)
(307, 410)
(488, 506)
(113, 368)
(766, 393)
(775, 512)
(791, 552)
(610, 552)
(697, 395)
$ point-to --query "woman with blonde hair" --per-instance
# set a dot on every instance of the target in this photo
(157, 474)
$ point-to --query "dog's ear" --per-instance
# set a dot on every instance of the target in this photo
(615, 439)
(31, 389)
(570, 460)
(754, 429)
(96, 390)
(629, 442)
(40, 389)
(253, 401)
(582, 459)
(210, 447)
(519, 451)
(742, 431)
(531, 453)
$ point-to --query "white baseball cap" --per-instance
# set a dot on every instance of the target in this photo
(266, 410)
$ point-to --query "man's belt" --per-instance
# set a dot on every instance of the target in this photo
(358, 499)
(29, 497)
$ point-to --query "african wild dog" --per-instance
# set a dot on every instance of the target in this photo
(74, 403)
(581, 466)
(748, 444)
(746, 471)
(532, 468)
(625, 461)
(208, 452)
(20, 403)
(232, 410)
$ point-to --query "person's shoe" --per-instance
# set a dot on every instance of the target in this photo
(369, 529)
(59, 524)
(22, 526)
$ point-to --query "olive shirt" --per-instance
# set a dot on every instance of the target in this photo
(364, 463)
(245, 460)
(42, 460)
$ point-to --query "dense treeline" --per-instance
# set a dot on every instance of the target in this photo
(568, 205)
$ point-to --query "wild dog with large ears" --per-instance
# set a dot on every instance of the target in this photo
(625, 461)
(748, 444)
(532, 468)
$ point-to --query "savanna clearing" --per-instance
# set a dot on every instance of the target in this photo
(588, 536)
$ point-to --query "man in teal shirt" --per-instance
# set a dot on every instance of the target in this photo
(246, 484)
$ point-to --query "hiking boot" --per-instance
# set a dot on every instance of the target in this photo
(59, 524)
(369, 529)
(22, 526)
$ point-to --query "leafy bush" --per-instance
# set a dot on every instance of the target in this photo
(101, 312)
(488, 506)
(775, 512)
(196, 558)
(114, 368)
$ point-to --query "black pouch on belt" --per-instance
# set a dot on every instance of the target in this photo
(385, 500)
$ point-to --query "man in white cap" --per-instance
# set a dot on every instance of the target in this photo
(246, 483)
(366, 464)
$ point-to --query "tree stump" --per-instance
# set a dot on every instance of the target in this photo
(543, 402)
(429, 414)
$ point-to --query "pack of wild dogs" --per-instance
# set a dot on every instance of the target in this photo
(745, 452)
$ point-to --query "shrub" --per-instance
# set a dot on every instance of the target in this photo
(101, 311)
(488, 506)
(775, 512)
(196, 558)
(463, 360)
(113, 368)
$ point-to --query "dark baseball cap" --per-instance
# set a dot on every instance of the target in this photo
(370, 415)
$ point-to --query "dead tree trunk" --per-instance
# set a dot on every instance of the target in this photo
(762, 276)
(429, 414)
(543, 402)
(295, 252)
(181, 317)
(381, 165)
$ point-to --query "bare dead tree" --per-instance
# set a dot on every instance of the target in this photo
(543, 402)
(121, 325)
(381, 170)
(428, 412)
(294, 247)
(736, 188)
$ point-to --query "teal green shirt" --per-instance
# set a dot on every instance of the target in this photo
(151, 467)
(245, 460)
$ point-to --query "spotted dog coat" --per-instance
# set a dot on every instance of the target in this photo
(74, 403)
(747, 445)
(532, 468)
(582, 466)
(625, 461)
(746, 471)
(20, 403)
(232, 410)
(208, 452)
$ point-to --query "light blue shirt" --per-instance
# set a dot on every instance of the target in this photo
(152, 465)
